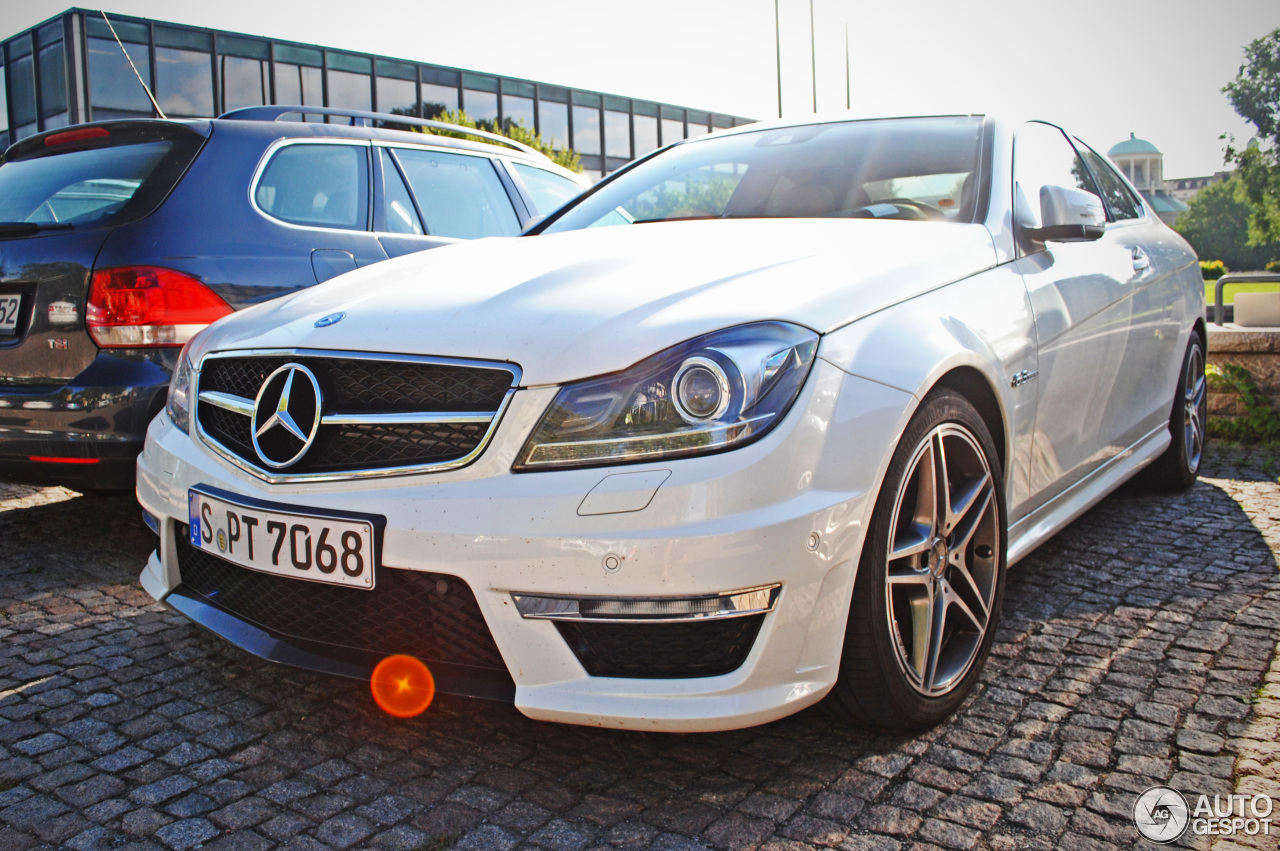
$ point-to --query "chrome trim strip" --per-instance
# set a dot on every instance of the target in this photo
(306, 478)
(266, 158)
(372, 473)
(729, 604)
(425, 418)
(240, 405)
(226, 401)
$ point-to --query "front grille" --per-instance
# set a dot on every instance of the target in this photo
(661, 650)
(369, 386)
(432, 616)
(354, 388)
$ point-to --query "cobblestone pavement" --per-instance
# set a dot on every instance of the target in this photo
(1134, 651)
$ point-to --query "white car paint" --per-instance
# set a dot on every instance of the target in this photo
(613, 296)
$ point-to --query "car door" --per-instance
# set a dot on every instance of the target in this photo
(1142, 400)
(320, 189)
(1081, 296)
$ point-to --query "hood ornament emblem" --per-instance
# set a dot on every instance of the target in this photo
(331, 319)
(286, 415)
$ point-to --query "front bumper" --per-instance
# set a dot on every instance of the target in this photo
(87, 433)
(788, 510)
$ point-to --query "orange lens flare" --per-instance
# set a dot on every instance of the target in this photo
(402, 686)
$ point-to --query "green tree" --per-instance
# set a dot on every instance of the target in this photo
(515, 130)
(1216, 224)
(1255, 95)
(700, 197)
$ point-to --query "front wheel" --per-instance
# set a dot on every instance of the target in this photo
(930, 582)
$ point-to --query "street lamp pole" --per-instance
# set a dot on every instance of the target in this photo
(777, 36)
(813, 52)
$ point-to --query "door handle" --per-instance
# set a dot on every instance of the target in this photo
(1141, 262)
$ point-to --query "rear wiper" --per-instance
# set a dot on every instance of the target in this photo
(27, 228)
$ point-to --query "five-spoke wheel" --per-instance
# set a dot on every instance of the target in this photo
(1194, 402)
(1178, 467)
(940, 571)
(926, 600)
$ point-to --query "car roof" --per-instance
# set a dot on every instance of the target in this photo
(271, 121)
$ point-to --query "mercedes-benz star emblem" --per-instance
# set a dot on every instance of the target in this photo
(286, 415)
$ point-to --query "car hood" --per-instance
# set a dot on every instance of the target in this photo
(570, 305)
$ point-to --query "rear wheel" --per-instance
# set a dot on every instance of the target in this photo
(1177, 468)
(927, 597)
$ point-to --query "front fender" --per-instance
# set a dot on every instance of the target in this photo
(983, 323)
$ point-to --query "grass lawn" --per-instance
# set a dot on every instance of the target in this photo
(1228, 294)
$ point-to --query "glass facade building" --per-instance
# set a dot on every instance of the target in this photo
(70, 70)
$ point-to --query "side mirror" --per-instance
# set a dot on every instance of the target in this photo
(1069, 215)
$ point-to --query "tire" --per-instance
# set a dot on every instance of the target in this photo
(1178, 467)
(899, 671)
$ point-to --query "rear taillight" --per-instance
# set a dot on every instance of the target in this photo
(134, 306)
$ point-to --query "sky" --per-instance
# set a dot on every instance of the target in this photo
(1101, 69)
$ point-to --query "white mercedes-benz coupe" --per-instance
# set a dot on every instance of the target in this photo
(763, 417)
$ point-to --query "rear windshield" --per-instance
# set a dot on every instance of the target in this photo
(919, 169)
(92, 188)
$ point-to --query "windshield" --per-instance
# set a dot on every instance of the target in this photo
(915, 169)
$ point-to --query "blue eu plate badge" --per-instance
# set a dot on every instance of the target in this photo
(193, 514)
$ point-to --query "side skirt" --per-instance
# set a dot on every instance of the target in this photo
(1045, 522)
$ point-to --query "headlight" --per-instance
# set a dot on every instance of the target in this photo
(179, 403)
(715, 392)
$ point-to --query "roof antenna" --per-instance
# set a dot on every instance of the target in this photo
(145, 87)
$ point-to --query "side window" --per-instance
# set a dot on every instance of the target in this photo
(1119, 199)
(1042, 156)
(549, 190)
(459, 195)
(401, 215)
(317, 186)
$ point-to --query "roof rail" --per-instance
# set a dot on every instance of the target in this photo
(361, 118)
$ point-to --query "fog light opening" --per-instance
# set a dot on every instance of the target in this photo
(402, 686)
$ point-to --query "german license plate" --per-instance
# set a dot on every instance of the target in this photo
(9, 313)
(285, 542)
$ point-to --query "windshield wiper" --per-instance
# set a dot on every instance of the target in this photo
(28, 228)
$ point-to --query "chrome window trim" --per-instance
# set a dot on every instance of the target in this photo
(543, 163)
(285, 143)
(234, 403)
(369, 144)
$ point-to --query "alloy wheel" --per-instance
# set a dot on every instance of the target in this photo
(1194, 399)
(942, 567)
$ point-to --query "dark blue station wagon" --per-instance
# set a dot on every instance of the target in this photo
(119, 240)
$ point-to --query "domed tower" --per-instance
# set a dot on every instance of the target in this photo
(1141, 162)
